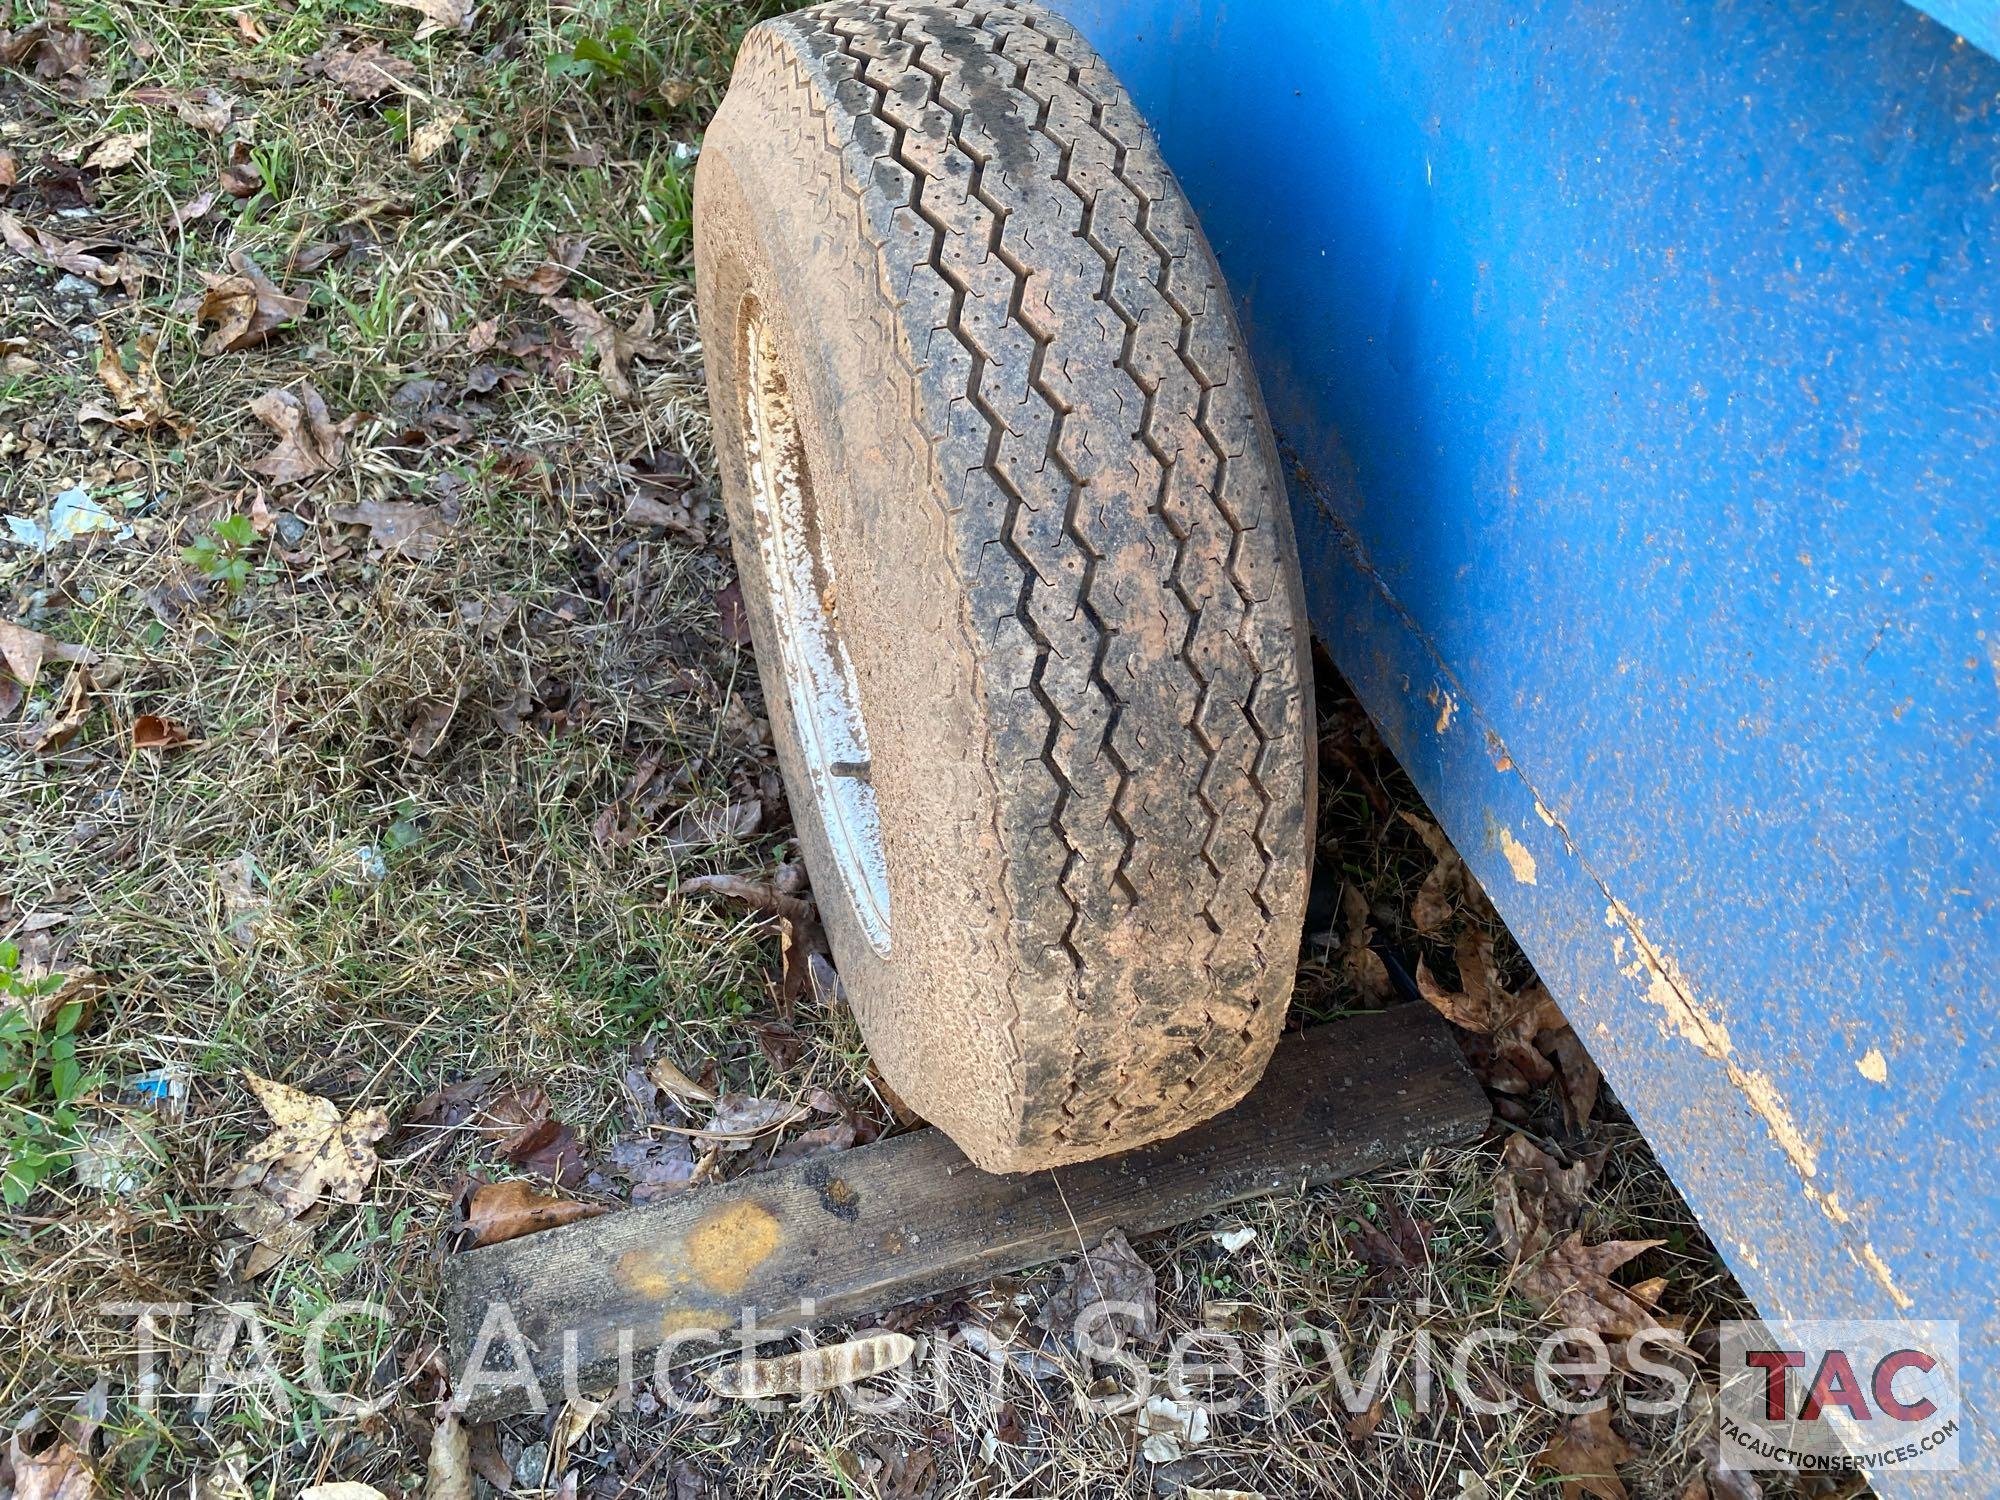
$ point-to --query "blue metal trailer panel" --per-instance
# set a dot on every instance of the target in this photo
(1641, 365)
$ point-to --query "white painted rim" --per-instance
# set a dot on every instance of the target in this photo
(819, 677)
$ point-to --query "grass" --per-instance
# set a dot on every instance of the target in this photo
(318, 891)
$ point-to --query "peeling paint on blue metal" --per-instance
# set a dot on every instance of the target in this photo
(1977, 21)
(1641, 365)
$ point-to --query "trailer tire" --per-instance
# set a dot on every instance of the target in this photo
(1017, 562)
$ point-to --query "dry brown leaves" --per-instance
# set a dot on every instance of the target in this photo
(439, 15)
(116, 151)
(506, 1210)
(1396, 1246)
(151, 732)
(614, 347)
(1113, 1275)
(760, 895)
(1585, 1455)
(812, 1370)
(553, 274)
(245, 305)
(59, 55)
(1448, 886)
(207, 110)
(403, 528)
(1359, 961)
(1536, 1204)
(55, 1470)
(46, 249)
(1523, 1036)
(310, 442)
(139, 401)
(22, 652)
(434, 135)
(525, 1134)
(652, 1168)
(311, 1153)
(1510, 1021)
(451, 1466)
(370, 71)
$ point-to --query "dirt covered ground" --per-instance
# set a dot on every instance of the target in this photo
(392, 854)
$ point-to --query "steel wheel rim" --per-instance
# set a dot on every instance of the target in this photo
(820, 685)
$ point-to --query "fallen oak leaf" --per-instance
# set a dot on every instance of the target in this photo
(615, 347)
(55, 48)
(1535, 1197)
(760, 895)
(151, 732)
(310, 442)
(313, 1151)
(405, 527)
(208, 111)
(142, 402)
(118, 151)
(1448, 883)
(1359, 961)
(53, 1471)
(439, 15)
(22, 652)
(17, 46)
(525, 1134)
(194, 209)
(1509, 1061)
(1585, 1455)
(434, 134)
(502, 1211)
(553, 274)
(653, 1168)
(813, 1370)
(368, 72)
(1581, 1079)
(46, 249)
(449, 1475)
(240, 177)
(1111, 1274)
(245, 305)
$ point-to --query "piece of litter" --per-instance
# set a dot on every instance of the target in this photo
(112, 1159)
(163, 1090)
(1170, 1427)
(1233, 1240)
(72, 514)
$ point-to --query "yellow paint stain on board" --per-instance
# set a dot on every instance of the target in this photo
(1873, 1066)
(646, 1273)
(729, 1242)
(1519, 860)
(678, 1321)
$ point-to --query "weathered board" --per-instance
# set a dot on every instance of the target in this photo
(909, 1217)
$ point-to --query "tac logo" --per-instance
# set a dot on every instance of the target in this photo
(1840, 1396)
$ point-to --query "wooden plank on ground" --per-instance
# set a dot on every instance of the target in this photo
(860, 1231)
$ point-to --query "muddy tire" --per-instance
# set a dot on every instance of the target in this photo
(1017, 562)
